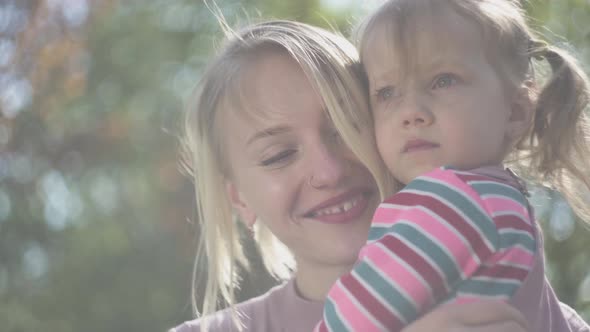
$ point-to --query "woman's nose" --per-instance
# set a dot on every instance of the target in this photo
(329, 166)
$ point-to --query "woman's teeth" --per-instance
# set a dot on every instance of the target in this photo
(341, 208)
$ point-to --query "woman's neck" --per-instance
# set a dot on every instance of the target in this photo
(313, 280)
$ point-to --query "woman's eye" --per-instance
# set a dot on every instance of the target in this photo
(444, 81)
(278, 158)
(335, 136)
(384, 93)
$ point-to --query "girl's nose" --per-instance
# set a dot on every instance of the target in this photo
(415, 112)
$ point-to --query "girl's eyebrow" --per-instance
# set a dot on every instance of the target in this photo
(383, 76)
(272, 131)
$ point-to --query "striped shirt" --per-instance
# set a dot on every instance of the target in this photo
(448, 236)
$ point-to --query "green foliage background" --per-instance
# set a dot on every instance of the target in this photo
(95, 217)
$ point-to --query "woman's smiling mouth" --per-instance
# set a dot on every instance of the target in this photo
(343, 208)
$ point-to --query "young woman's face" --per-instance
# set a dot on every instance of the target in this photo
(291, 171)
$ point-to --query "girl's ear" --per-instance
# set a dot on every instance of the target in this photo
(247, 215)
(521, 111)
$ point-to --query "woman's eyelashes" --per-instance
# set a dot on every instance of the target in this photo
(279, 159)
(282, 156)
(334, 136)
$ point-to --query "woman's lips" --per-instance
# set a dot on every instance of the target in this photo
(343, 208)
(419, 145)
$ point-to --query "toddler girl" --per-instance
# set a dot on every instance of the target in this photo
(453, 99)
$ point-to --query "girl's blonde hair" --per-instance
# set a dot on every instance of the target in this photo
(555, 151)
(332, 66)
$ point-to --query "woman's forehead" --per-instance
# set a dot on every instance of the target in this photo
(273, 88)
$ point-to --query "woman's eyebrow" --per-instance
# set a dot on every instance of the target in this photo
(272, 131)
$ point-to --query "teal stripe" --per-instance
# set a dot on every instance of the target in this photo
(387, 292)
(478, 219)
(509, 239)
(488, 287)
(492, 188)
(431, 249)
(376, 233)
(331, 318)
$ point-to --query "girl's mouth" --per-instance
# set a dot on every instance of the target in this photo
(418, 145)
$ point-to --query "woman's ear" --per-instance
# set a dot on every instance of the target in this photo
(247, 215)
(521, 111)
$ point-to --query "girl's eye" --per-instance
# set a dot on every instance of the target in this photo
(278, 158)
(444, 81)
(384, 93)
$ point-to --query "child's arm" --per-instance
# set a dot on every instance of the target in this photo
(425, 242)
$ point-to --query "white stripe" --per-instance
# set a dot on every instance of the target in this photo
(498, 280)
(510, 264)
(479, 297)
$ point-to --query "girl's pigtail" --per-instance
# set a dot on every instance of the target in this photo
(560, 134)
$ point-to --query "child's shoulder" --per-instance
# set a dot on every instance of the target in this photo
(483, 182)
(442, 182)
(448, 174)
(488, 174)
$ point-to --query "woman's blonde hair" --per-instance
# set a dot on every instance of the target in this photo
(332, 66)
(556, 149)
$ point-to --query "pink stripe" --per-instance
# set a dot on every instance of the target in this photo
(513, 255)
(500, 204)
(386, 214)
(400, 276)
(467, 298)
(348, 310)
(461, 252)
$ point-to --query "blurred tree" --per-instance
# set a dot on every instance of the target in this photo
(95, 231)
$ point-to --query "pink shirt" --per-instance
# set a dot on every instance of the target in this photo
(280, 309)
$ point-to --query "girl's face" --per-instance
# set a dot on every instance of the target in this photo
(442, 103)
(291, 171)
